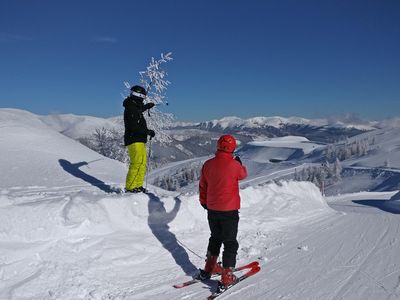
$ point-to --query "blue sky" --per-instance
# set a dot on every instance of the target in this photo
(243, 58)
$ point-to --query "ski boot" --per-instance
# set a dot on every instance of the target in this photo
(134, 190)
(142, 189)
(228, 278)
(139, 189)
(211, 267)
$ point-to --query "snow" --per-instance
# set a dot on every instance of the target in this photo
(384, 149)
(390, 123)
(292, 142)
(276, 121)
(65, 233)
(180, 147)
(78, 126)
(36, 155)
(277, 149)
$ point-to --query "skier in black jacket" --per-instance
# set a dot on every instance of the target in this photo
(135, 138)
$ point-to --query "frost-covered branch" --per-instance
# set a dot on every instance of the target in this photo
(154, 80)
(156, 77)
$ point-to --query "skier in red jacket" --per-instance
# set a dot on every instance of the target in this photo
(219, 194)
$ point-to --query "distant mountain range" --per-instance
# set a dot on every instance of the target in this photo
(79, 125)
(195, 139)
(278, 122)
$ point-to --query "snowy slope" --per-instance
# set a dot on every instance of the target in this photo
(33, 154)
(377, 170)
(351, 255)
(64, 233)
(385, 151)
(75, 126)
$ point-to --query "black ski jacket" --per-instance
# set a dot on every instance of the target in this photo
(136, 130)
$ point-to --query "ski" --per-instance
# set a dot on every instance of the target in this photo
(249, 273)
(195, 280)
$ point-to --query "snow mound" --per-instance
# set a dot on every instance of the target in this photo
(29, 219)
(35, 154)
(33, 217)
(72, 243)
(283, 203)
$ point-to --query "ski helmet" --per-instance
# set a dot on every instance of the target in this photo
(226, 143)
(138, 91)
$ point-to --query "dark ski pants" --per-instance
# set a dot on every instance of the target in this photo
(224, 228)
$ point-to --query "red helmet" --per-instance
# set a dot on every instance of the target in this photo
(226, 143)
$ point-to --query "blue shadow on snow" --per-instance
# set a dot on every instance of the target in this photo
(74, 170)
(385, 205)
(158, 222)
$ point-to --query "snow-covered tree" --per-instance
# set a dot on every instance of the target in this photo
(337, 169)
(154, 80)
(321, 175)
(107, 142)
(329, 152)
(296, 175)
(180, 178)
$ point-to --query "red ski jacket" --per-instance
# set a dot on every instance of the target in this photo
(219, 182)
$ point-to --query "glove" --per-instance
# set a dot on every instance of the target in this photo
(204, 206)
(238, 159)
(151, 133)
(148, 105)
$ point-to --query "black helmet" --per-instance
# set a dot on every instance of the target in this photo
(138, 91)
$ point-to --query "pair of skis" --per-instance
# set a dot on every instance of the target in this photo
(253, 267)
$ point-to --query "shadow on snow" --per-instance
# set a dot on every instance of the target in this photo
(158, 221)
(74, 170)
(390, 206)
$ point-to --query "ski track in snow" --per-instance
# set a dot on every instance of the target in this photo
(344, 261)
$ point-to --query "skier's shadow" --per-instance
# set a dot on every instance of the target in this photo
(74, 170)
(158, 222)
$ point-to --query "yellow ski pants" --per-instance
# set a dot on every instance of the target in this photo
(137, 166)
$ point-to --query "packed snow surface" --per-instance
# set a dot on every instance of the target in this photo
(291, 142)
(66, 232)
(277, 149)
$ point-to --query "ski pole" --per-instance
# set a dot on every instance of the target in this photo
(184, 246)
(148, 161)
